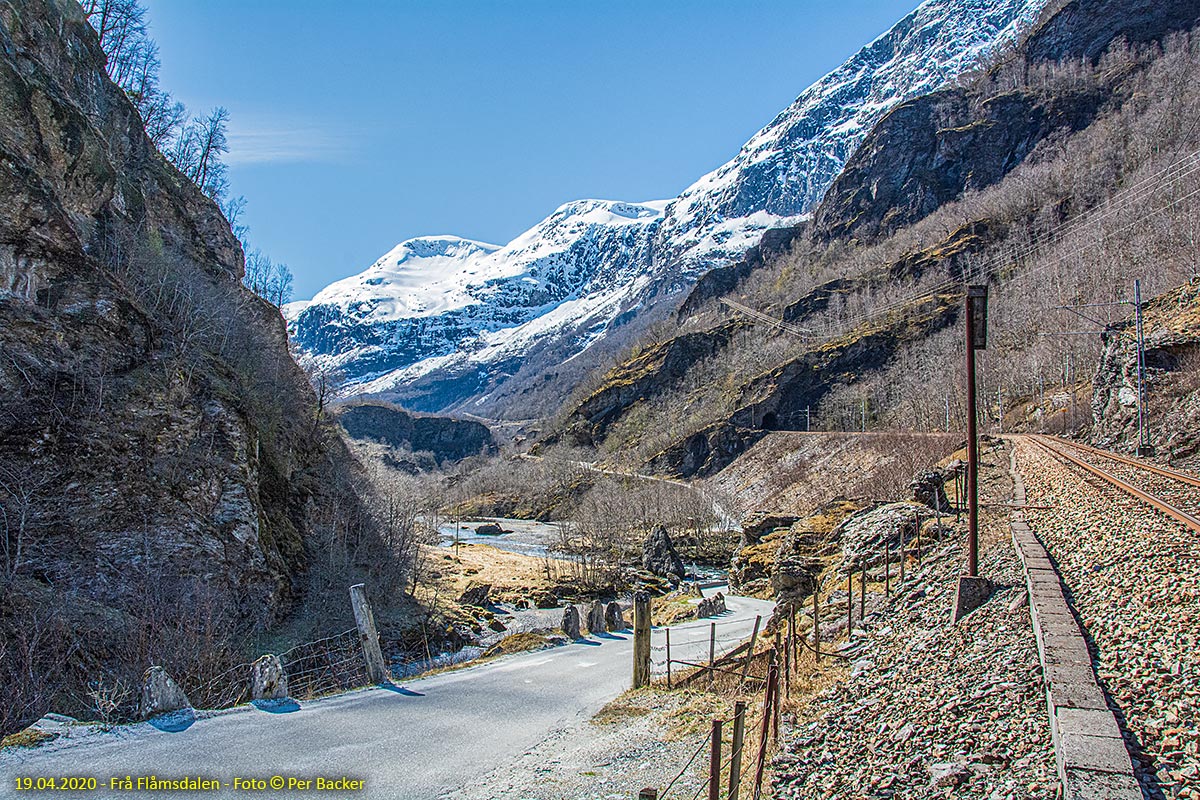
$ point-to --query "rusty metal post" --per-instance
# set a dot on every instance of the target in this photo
(918, 538)
(764, 733)
(668, 658)
(735, 756)
(849, 603)
(976, 295)
(887, 570)
(862, 596)
(714, 762)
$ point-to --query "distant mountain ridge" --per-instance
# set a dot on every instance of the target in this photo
(441, 322)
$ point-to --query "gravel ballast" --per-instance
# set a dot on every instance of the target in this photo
(933, 709)
(1133, 577)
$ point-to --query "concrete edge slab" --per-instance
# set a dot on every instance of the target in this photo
(1089, 751)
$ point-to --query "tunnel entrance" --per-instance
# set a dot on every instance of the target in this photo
(770, 421)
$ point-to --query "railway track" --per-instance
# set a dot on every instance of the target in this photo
(1176, 494)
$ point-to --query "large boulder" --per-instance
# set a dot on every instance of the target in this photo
(161, 694)
(595, 617)
(867, 535)
(929, 488)
(476, 594)
(267, 679)
(660, 557)
(614, 620)
(570, 623)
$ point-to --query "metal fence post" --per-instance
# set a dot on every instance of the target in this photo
(714, 762)
(735, 757)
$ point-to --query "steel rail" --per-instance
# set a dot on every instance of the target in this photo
(1163, 506)
(1133, 462)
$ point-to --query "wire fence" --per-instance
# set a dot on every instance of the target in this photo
(326, 666)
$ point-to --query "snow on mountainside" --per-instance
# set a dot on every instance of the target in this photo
(441, 303)
(441, 320)
(784, 170)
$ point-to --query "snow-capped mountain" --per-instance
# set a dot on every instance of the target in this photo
(452, 304)
(459, 316)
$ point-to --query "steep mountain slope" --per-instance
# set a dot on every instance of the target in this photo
(164, 480)
(1016, 177)
(595, 273)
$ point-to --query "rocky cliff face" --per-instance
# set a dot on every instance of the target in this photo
(446, 439)
(1172, 337)
(160, 460)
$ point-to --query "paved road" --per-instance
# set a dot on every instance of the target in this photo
(422, 739)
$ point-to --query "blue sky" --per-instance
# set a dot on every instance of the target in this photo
(356, 125)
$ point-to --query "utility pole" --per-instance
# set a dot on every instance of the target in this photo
(976, 340)
(807, 419)
(973, 591)
(1144, 446)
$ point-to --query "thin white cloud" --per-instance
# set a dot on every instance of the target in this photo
(274, 141)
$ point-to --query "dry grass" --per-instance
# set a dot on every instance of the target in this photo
(30, 737)
(512, 576)
(518, 643)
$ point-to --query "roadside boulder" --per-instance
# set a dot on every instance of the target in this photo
(660, 557)
(267, 679)
(614, 620)
(161, 694)
(595, 618)
(570, 623)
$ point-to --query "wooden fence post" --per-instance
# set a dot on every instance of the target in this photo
(735, 755)
(817, 624)
(712, 654)
(641, 640)
(367, 634)
(714, 762)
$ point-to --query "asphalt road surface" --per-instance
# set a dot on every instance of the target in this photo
(423, 738)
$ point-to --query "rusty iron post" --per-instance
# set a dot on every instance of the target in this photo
(714, 762)
(862, 596)
(976, 340)
(735, 756)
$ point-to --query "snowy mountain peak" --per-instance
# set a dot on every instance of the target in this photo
(441, 320)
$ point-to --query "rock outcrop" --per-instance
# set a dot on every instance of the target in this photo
(660, 558)
(164, 446)
(446, 439)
